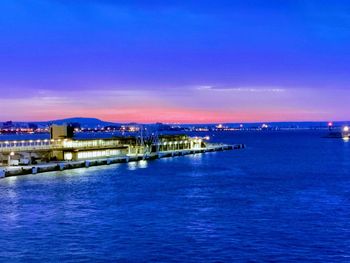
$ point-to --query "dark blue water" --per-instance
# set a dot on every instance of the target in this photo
(285, 198)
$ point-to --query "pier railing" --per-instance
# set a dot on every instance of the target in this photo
(43, 145)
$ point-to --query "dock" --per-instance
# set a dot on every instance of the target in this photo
(63, 151)
(66, 165)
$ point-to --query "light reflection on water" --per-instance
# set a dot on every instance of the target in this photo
(284, 198)
(142, 164)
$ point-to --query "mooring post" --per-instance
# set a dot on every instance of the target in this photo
(2, 173)
(61, 166)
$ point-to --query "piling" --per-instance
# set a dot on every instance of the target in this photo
(61, 166)
(2, 173)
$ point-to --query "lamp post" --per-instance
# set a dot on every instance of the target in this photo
(330, 126)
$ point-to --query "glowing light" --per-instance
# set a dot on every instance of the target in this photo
(132, 166)
(330, 124)
(142, 164)
(346, 129)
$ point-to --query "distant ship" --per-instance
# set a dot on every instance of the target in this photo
(341, 133)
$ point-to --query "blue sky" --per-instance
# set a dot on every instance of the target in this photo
(175, 61)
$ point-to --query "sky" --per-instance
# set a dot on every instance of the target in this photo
(175, 61)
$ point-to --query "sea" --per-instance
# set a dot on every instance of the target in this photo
(284, 198)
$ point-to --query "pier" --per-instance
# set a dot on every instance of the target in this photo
(62, 151)
(66, 165)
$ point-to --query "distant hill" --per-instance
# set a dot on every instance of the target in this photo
(84, 122)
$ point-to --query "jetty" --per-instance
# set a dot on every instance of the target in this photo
(62, 151)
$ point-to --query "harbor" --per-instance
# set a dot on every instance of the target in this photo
(62, 151)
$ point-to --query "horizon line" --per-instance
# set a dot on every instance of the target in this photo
(184, 123)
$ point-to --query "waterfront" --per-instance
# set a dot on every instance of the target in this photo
(284, 198)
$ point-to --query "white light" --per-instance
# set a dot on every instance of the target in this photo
(346, 129)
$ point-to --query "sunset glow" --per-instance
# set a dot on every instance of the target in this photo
(179, 62)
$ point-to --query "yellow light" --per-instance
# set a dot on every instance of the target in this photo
(12, 153)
